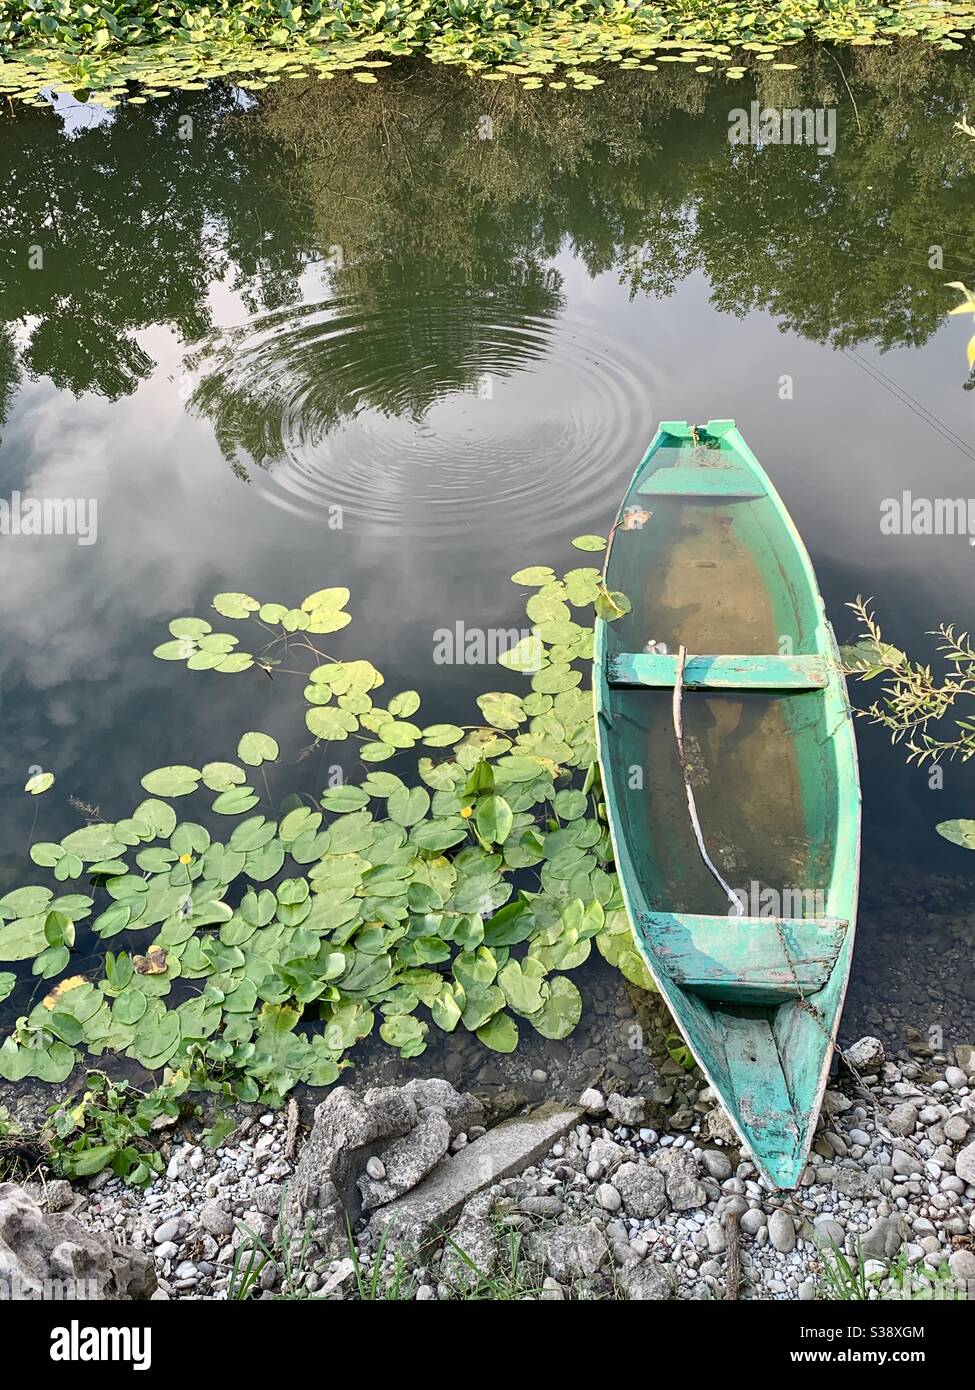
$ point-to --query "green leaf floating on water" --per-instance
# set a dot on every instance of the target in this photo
(391, 903)
(40, 782)
(233, 605)
(959, 832)
(256, 748)
(494, 819)
(561, 1011)
(500, 1034)
(590, 543)
(177, 780)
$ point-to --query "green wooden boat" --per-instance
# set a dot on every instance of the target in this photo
(738, 844)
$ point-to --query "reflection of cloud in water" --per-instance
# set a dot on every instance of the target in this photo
(436, 410)
(77, 116)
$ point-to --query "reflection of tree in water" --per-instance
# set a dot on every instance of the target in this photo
(383, 341)
(444, 235)
(9, 373)
(134, 224)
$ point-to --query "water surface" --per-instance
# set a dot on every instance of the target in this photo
(336, 337)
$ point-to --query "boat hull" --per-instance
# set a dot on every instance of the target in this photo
(711, 561)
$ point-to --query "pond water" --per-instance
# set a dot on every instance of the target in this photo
(412, 338)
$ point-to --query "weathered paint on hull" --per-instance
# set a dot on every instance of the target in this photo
(706, 551)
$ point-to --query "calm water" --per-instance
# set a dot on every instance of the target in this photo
(337, 337)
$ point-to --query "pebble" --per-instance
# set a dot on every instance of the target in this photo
(782, 1232)
(167, 1231)
(609, 1198)
(376, 1169)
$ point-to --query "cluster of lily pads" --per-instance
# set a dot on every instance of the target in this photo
(459, 894)
(67, 46)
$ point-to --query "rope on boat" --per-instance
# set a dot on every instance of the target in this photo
(735, 901)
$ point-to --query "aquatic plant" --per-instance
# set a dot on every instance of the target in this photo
(68, 46)
(459, 896)
(967, 306)
(915, 698)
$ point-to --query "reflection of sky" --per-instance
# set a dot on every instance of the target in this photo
(78, 116)
(83, 696)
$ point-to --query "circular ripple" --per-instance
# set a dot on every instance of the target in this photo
(439, 411)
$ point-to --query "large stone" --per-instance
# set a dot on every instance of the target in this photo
(965, 1164)
(716, 1125)
(322, 1198)
(865, 1055)
(883, 1240)
(902, 1119)
(463, 1110)
(569, 1253)
(648, 1281)
(509, 1148)
(471, 1254)
(782, 1231)
(628, 1110)
(854, 1183)
(682, 1184)
(642, 1188)
(408, 1160)
(52, 1256)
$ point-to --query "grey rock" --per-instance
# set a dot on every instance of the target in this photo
(781, 1231)
(463, 1110)
(882, 1240)
(902, 1119)
(752, 1221)
(628, 1110)
(608, 1197)
(376, 1169)
(854, 1183)
(507, 1149)
(569, 1253)
(215, 1218)
(865, 1055)
(647, 1282)
(716, 1237)
(642, 1188)
(408, 1160)
(167, 1231)
(51, 1255)
(955, 1078)
(592, 1101)
(322, 1196)
(551, 1291)
(718, 1164)
(682, 1184)
(956, 1129)
(965, 1163)
(827, 1233)
(962, 1265)
(472, 1243)
(836, 1103)
(905, 1164)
